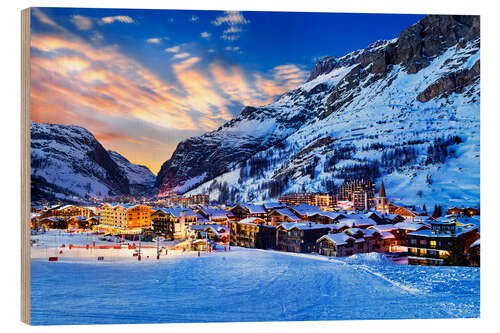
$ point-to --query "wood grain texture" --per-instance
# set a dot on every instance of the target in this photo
(25, 167)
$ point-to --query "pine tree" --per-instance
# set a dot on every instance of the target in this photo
(438, 211)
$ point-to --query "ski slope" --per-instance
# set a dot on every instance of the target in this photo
(248, 285)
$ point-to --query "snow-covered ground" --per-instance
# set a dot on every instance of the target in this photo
(247, 285)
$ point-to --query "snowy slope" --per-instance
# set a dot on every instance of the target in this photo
(68, 163)
(405, 110)
(247, 285)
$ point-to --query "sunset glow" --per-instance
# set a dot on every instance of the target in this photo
(137, 83)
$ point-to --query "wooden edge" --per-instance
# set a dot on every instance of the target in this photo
(25, 167)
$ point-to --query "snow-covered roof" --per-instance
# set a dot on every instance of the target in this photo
(470, 221)
(459, 230)
(286, 225)
(386, 235)
(329, 214)
(410, 226)
(390, 216)
(338, 239)
(383, 227)
(337, 226)
(353, 231)
(370, 232)
(218, 229)
(288, 213)
(305, 209)
(256, 209)
(355, 220)
(308, 226)
(273, 205)
(251, 220)
(126, 206)
(476, 243)
(66, 206)
(371, 214)
(176, 212)
(216, 212)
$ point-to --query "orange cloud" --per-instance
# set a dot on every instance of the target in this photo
(81, 22)
(75, 82)
(119, 18)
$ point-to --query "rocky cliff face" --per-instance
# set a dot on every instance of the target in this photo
(405, 109)
(68, 163)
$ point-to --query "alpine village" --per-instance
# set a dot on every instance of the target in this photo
(359, 219)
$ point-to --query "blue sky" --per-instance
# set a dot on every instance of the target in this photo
(142, 80)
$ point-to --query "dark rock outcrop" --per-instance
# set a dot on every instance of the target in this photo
(452, 83)
(324, 66)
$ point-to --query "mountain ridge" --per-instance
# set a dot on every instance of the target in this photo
(430, 72)
(69, 163)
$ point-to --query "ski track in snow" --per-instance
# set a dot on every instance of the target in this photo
(248, 285)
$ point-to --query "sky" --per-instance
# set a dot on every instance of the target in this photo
(143, 80)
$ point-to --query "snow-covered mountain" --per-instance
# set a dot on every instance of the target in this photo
(140, 178)
(406, 110)
(68, 163)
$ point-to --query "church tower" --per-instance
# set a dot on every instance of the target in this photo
(382, 200)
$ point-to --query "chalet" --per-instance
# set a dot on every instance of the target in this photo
(35, 220)
(216, 215)
(72, 210)
(355, 240)
(253, 232)
(360, 243)
(213, 232)
(53, 222)
(375, 217)
(338, 227)
(463, 211)
(392, 218)
(397, 240)
(327, 217)
(387, 242)
(305, 210)
(433, 246)
(217, 233)
(83, 222)
(357, 220)
(270, 206)
(163, 223)
(199, 245)
(336, 245)
(299, 237)
(243, 211)
(172, 222)
(282, 215)
(473, 221)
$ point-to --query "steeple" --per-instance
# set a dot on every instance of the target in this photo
(381, 193)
